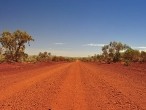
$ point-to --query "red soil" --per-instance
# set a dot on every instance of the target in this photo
(72, 86)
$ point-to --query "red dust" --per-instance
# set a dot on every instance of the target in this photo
(72, 86)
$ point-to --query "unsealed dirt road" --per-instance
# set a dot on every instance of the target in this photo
(73, 86)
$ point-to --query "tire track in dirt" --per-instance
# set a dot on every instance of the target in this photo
(72, 95)
(103, 95)
(126, 83)
(19, 76)
(35, 93)
(70, 86)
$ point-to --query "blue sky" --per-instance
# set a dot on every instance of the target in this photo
(76, 27)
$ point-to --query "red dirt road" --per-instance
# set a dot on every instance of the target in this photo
(73, 86)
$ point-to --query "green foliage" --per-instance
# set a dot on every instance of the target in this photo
(96, 58)
(31, 59)
(45, 56)
(58, 58)
(131, 55)
(116, 51)
(111, 52)
(14, 45)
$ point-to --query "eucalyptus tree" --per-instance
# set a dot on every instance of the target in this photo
(14, 44)
(111, 52)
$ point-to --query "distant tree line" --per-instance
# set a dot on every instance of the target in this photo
(117, 52)
(13, 45)
(47, 57)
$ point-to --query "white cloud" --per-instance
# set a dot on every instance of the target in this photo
(142, 47)
(94, 45)
(58, 43)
